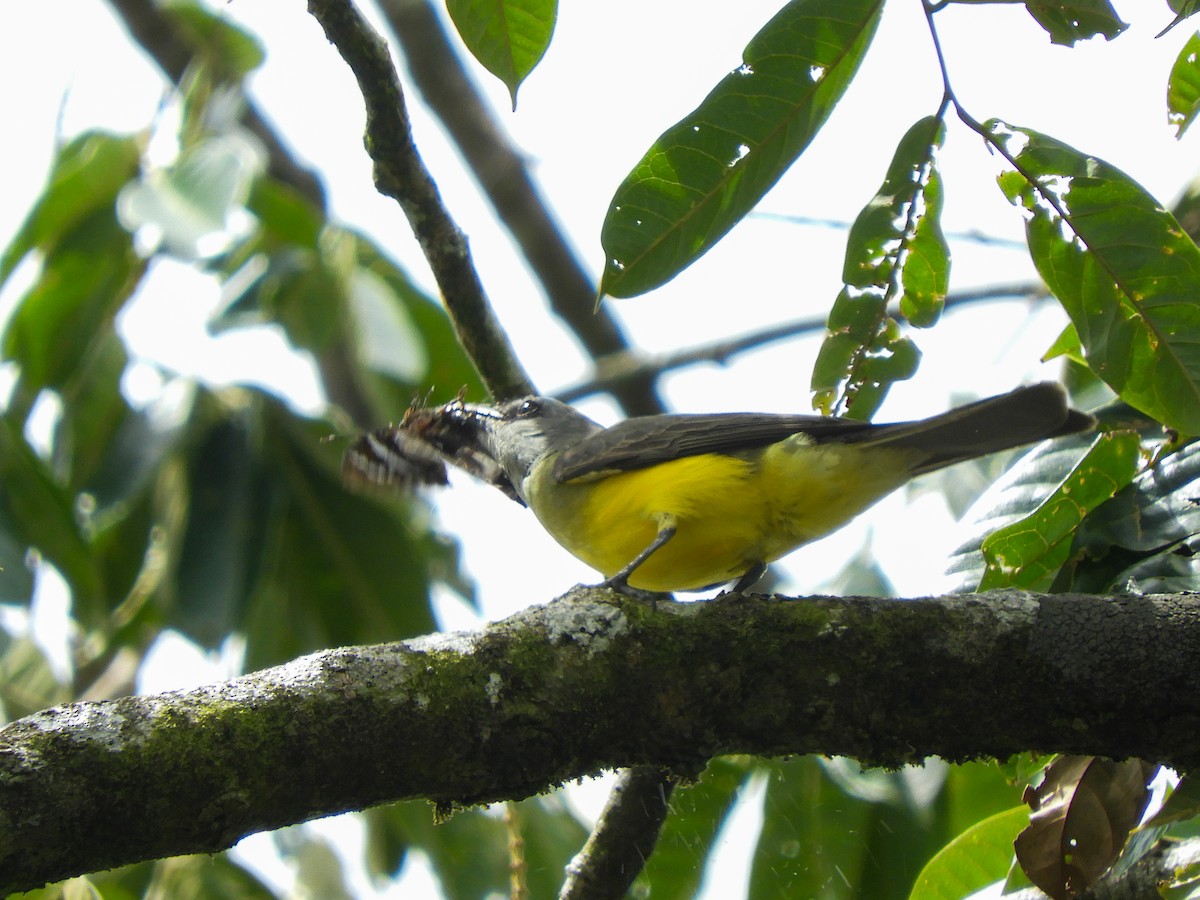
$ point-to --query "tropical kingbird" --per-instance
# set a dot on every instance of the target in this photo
(686, 502)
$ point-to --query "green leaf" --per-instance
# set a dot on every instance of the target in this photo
(1069, 21)
(1020, 491)
(41, 513)
(508, 37)
(229, 52)
(1182, 9)
(1029, 552)
(1145, 538)
(710, 169)
(339, 568)
(1120, 264)
(895, 252)
(1183, 87)
(85, 178)
(976, 858)
(67, 314)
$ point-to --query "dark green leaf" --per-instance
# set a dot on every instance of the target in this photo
(976, 858)
(340, 568)
(551, 835)
(895, 252)
(229, 52)
(1022, 488)
(1027, 553)
(85, 178)
(1069, 21)
(707, 171)
(509, 37)
(220, 555)
(1145, 538)
(41, 514)
(1183, 87)
(1182, 9)
(67, 315)
(1124, 270)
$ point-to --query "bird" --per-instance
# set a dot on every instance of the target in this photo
(686, 502)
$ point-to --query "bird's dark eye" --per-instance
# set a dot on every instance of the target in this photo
(529, 408)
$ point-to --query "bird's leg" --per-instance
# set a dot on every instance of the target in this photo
(750, 577)
(620, 581)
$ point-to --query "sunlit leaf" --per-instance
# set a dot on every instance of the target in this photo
(976, 858)
(508, 37)
(710, 169)
(193, 208)
(1028, 553)
(1069, 21)
(895, 253)
(1083, 812)
(27, 682)
(1183, 87)
(1015, 495)
(85, 178)
(1124, 270)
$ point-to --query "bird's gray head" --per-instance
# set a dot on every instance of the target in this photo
(518, 433)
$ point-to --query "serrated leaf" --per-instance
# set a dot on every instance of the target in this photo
(710, 169)
(1120, 264)
(1068, 21)
(1183, 87)
(1083, 812)
(976, 858)
(1029, 552)
(509, 37)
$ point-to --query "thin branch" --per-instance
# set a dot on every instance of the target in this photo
(624, 836)
(503, 175)
(401, 174)
(611, 369)
(594, 681)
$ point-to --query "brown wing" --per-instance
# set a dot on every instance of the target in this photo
(647, 440)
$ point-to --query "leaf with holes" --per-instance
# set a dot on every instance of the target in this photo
(710, 169)
(1069, 21)
(1183, 87)
(1120, 264)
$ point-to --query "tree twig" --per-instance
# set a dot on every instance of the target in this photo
(401, 174)
(624, 836)
(503, 175)
(629, 364)
(593, 681)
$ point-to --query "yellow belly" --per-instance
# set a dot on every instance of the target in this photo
(729, 512)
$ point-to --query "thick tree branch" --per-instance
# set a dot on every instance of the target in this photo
(589, 682)
(401, 174)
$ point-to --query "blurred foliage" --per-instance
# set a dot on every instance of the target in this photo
(219, 512)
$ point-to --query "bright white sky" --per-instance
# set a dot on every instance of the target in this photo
(616, 75)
